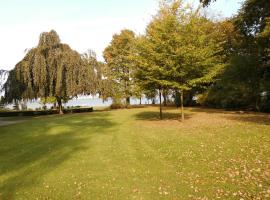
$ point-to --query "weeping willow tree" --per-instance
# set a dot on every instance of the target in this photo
(52, 69)
(92, 83)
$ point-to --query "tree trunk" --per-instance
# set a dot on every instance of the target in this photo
(127, 101)
(182, 106)
(140, 100)
(164, 98)
(160, 105)
(257, 107)
(59, 102)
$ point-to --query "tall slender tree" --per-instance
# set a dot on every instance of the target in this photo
(118, 57)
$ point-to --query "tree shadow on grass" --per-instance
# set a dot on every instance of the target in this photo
(154, 116)
(262, 119)
(252, 117)
(209, 110)
(32, 149)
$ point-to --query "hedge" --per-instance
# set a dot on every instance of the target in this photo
(43, 112)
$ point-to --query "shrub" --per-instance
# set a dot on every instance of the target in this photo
(43, 112)
(117, 105)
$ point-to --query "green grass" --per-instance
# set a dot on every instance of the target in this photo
(130, 154)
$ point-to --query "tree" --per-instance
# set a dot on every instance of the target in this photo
(118, 57)
(253, 21)
(2, 103)
(180, 50)
(245, 82)
(52, 69)
(13, 88)
(137, 90)
(94, 73)
(106, 86)
(206, 2)
(45, 100)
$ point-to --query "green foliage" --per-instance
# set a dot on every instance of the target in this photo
(2, 103)
(51, 69)
(228, 93)
(180, 50)
(91, 81)
(151, 93)
(6, 114)
(45, 100)
(117, 105)
(245, 82)
(118, 57)
(239, 86)
(13, 88)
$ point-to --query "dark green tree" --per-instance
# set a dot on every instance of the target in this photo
(2, 103)
(245, 83)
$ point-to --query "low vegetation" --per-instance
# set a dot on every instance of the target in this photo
(8, 113)
(131, 154)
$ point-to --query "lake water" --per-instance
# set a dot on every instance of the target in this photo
(85, 102)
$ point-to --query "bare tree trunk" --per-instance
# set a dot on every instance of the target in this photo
(127, 101)
(59, 102)
(160, 105)
(182, 106)
(54, 105)
(164, 98)
(257, 103)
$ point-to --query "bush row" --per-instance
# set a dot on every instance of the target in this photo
(43, 112)
(124, 106)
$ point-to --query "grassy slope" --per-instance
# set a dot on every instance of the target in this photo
(130, 154)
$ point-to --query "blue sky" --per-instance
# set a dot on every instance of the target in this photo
(83, 24)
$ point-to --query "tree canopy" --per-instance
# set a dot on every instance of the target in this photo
(118, 57)
(180, 50)
(245, 83)
(51, 69)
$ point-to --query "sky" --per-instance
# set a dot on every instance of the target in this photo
(83, 24)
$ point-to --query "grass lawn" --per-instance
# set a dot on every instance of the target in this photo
(130, 154)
